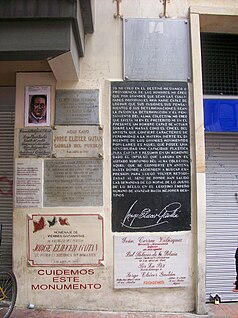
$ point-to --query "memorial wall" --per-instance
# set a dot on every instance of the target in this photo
(122, 222)
(61, 166)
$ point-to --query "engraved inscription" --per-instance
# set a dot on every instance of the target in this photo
(150, 155)
(77, 106)
(65, 239)
(78, 141)
(35, 143)
(148, 262)
(73, 182)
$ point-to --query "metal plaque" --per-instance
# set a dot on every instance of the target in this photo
(150, 157)
(156, 49)
(78, 141)
(73, 182)
(77, 107)
(151, 261)
(35, 143)
(65, 240)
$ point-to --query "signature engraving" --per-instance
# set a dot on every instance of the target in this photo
(170, 211)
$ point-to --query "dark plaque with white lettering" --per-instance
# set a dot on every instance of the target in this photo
(150, 157)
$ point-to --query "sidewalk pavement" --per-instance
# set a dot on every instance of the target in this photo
(223, 310)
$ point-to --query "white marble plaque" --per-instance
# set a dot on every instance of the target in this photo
(28, 183)
(78, 141)
(65, 240)
(151, 261)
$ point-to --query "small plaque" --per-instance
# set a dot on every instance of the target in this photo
(78, 141)
(35, 143)
(28, 183)
(65, 240)
(151, 261)
(77, 107)
(73, 182)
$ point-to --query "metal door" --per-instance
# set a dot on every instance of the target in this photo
(7, 115)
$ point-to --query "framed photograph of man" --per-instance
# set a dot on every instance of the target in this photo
(37, 106)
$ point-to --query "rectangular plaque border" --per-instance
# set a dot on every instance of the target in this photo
(49, 203)
(96, 152)
(58, 120)
(24, 130)
(33, 264)
(185, 223)
(185, 235)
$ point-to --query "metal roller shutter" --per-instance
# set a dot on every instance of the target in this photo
(7, 115)
(222, 214)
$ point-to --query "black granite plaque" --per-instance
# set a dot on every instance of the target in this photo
(150, 157)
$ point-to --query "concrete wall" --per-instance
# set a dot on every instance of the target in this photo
(103, 63)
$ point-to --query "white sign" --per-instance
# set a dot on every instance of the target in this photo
(78, 141)
(151, 261)
(28, 183)
(65, 240)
